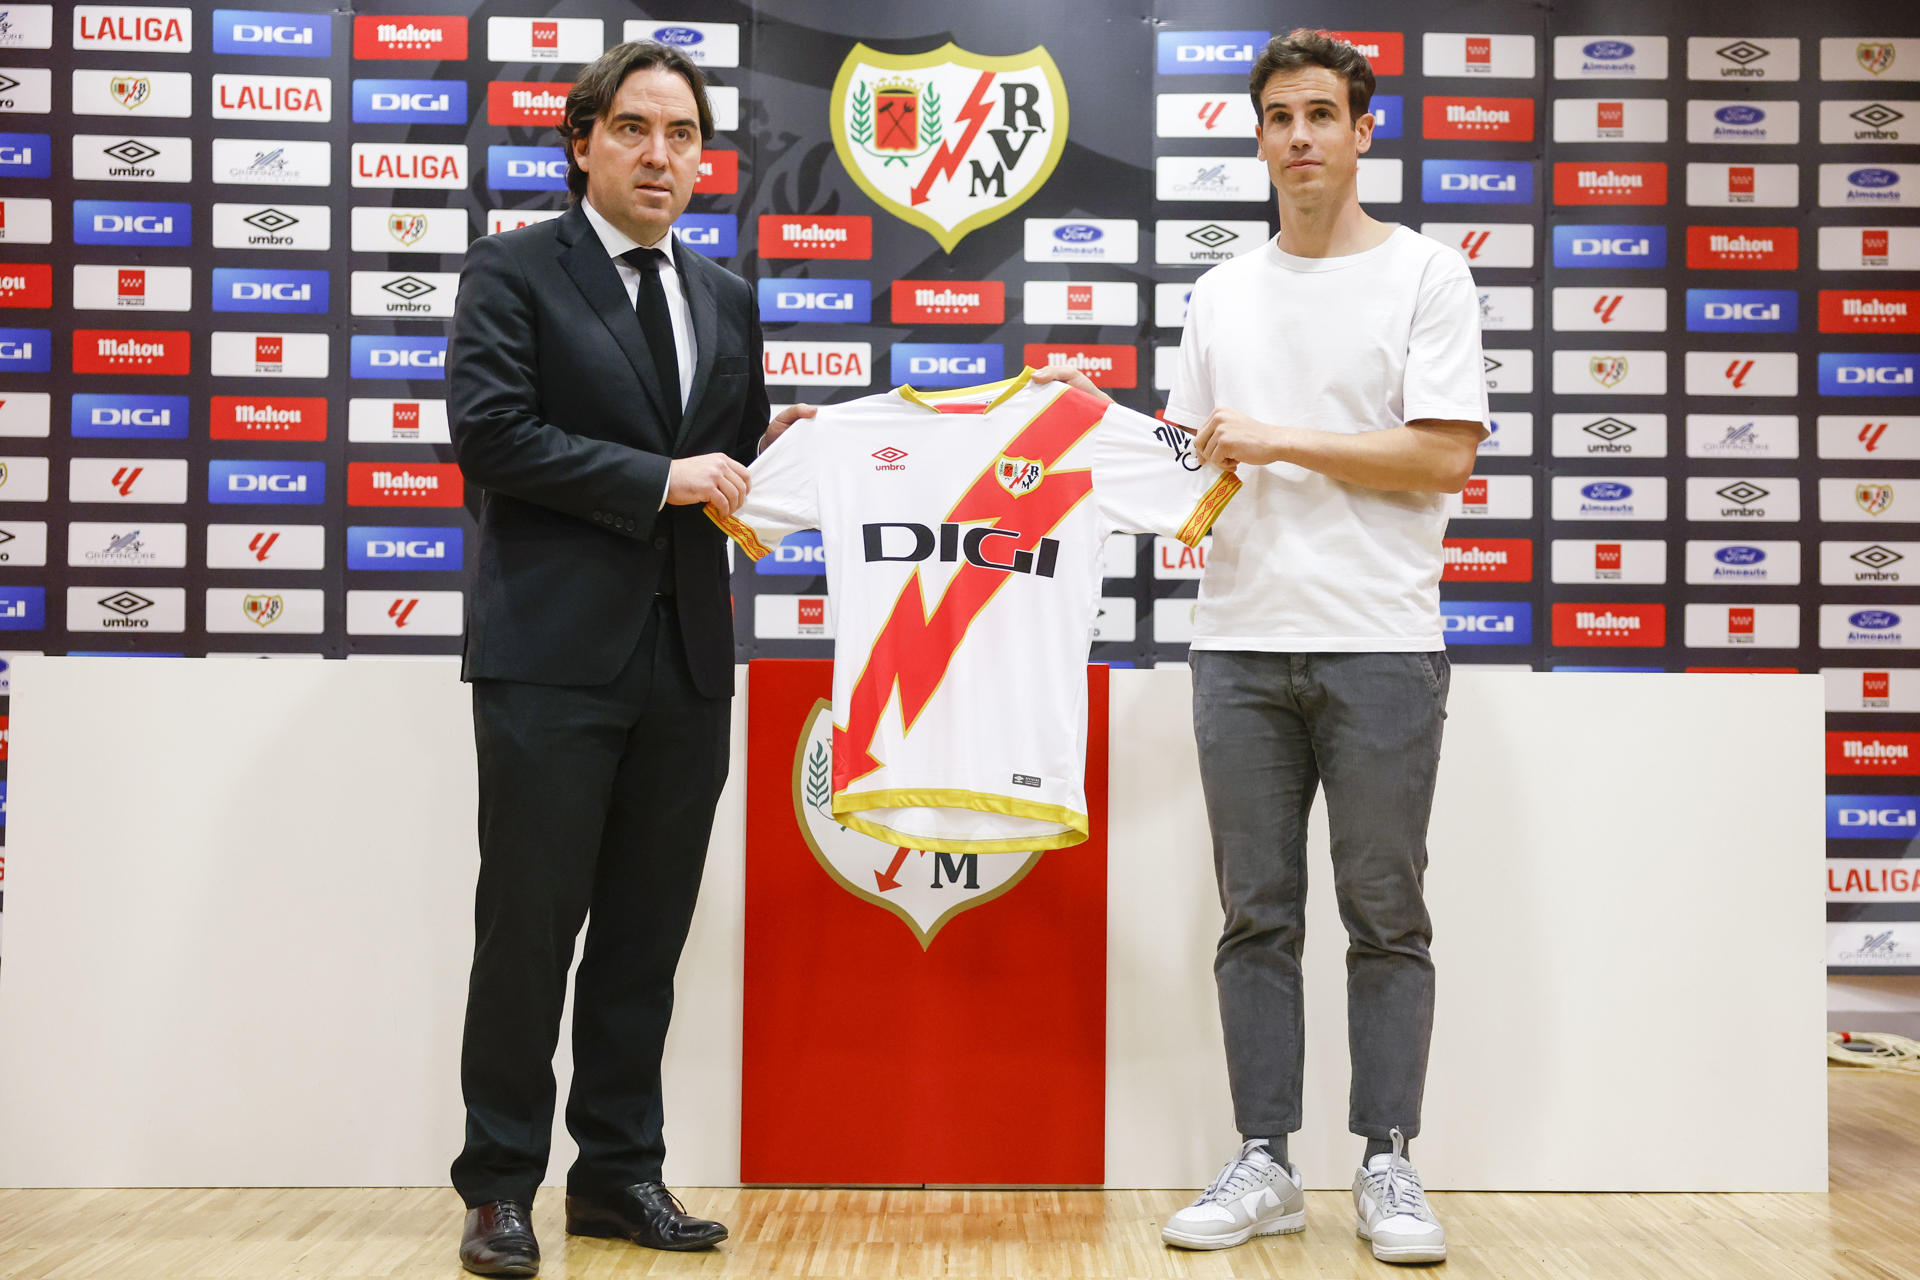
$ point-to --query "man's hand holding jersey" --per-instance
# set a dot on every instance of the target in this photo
(716, 480)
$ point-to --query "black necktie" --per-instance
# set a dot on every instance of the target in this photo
(656, 322)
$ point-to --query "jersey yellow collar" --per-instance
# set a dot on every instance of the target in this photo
(1006, 388)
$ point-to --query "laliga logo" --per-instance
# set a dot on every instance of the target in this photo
(924, 889)
(949, 140)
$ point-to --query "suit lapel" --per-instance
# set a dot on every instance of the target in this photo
(701, 302)
(586, 260)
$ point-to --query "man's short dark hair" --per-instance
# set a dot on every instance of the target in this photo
(599, 84)
(1307, 48)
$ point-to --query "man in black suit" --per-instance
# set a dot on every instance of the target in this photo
(606, 382)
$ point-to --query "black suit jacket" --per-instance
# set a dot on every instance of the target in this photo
(557, 417)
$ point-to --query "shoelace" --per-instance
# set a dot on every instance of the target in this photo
(512, 1219)
(1399, 1186)
(1231, 1181)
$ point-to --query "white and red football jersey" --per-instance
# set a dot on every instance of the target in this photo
(962, 532)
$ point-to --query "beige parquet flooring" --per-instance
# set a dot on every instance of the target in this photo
(1868, 1228)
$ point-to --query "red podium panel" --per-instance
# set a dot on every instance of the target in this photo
(913, 1017)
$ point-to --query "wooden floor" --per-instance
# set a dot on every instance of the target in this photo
(1868, 1227)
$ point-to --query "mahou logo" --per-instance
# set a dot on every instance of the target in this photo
(152, 351)
(815, 236)
(1497, 119)
(1609, 625)
(1487, 560)
(719, 172)
(1385, 51)
(949, 302)
(1869, 311)
(413, 37)
(526, 102)
(293, 418)
(1105, 366)
(1866, 754)
(1591, 182)
(412, 484)
(26, 284)
(1743, 248)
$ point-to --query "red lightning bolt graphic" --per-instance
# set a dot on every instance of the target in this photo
(946, 161)
(914, 649)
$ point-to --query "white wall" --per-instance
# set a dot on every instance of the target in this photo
(239, 922)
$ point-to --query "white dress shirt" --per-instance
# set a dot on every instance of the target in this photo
(618, 242)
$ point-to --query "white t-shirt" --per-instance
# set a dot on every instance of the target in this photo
(962, 532)
(1301, 562)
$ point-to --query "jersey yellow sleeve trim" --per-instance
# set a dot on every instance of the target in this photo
(848, 806)
(1209, 507)
(748, 541)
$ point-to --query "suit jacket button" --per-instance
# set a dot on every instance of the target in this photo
(660, 544)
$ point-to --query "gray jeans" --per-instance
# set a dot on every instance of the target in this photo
(1272, 727)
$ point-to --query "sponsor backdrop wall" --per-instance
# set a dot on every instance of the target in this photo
(230, 239)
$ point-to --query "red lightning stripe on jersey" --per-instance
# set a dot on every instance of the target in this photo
(946, 161)
(914, 649)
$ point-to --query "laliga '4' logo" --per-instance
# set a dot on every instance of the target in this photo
(925, 889)
(949, 140)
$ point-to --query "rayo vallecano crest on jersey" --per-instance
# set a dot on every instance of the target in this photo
(949, 140)
(924, 889)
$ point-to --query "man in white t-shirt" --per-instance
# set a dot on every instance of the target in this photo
(1339, 368)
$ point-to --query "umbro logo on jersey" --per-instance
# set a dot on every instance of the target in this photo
(890, 459)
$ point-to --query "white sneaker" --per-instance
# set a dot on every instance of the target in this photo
(1255, 1195)
(1390, 1209)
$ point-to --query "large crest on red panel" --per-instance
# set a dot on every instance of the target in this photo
(924, 889)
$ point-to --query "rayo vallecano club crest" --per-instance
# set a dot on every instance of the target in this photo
(949, 140)
(925, 889)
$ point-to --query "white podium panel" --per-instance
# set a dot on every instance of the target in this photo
(1629, 943)
(238, 927)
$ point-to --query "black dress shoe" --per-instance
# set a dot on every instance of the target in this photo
(498, 1241)
(645, 1213)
